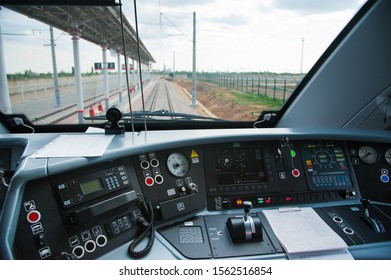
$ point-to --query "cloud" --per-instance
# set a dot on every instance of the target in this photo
(305, 7)
(185, 3)
(231, 35)
(230, 20)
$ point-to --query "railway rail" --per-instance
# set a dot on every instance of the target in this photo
(160, 98)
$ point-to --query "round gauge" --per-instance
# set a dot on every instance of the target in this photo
(178, 164)
(225, 161)
(387, 156)
(368, 154)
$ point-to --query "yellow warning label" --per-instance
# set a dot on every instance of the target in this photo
(194, 154)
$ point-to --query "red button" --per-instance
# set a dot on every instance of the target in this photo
(149, 181)
(33, 216)
(295, 173)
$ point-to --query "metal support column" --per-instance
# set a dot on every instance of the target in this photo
(105, 78)
(119, 76)
(194, 82)
(134, 76)
(57, 97)
(75, 33)
(5, 101)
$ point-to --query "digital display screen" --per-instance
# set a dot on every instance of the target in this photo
(325, 165)
(240, 166)
(91, 186)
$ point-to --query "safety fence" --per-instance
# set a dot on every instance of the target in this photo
(22, 91)
(280, 87)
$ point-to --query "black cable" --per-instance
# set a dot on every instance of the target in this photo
(148, 228)
(139, 64)
(126, 66)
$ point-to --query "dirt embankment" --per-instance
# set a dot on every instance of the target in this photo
(220, 101)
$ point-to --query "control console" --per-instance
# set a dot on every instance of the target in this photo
(278, 173)
(173, 181)
(78, 215)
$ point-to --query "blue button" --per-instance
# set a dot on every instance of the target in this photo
(384, 178)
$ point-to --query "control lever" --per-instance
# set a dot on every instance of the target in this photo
(373, 223)
(247, 205)
(286, 154)
(245, 228)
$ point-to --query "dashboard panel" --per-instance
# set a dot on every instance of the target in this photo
(265, 174)
(194, 191)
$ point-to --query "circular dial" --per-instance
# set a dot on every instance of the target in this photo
(387, 156)
(225, 161)
(178, 164)
(368, 154)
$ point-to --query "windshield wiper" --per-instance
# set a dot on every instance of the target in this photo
(162, 113)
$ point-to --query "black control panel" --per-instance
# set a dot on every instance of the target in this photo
(173, 181)
(75, 191)
(372, 166)
(244, 169)
(78, 215)
(277, 173)
(326, 166)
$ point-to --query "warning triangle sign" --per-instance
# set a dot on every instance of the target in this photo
(194, 154)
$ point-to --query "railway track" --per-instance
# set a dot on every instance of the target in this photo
(160, 98)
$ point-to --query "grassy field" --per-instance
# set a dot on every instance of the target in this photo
(245, 99)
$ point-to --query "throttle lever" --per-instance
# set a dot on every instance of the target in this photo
(371, 222)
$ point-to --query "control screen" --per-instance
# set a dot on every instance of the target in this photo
(325, 165)
(240, 166)
(91, 186)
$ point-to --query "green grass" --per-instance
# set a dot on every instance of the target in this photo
(248, 99)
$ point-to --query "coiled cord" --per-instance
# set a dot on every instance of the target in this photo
(148, 228)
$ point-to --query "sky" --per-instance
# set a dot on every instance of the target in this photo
(231, 36)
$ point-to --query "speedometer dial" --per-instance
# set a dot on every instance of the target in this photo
(178, 164)
(368, 154)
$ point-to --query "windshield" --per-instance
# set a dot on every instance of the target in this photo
(221, 60)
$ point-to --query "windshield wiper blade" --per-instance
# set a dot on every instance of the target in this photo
(174, 115)
(161, 113)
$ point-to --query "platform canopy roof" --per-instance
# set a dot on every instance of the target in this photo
(98, 24)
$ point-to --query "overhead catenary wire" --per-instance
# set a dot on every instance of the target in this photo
(174, 25)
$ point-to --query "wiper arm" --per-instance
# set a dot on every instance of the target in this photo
(175, 115)
(161, 113)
